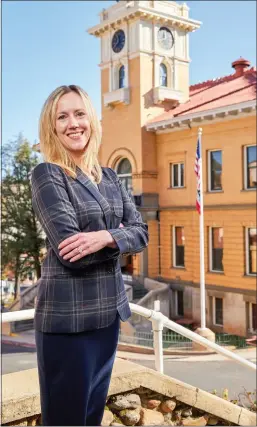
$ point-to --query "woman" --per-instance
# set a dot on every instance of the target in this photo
(89, 220)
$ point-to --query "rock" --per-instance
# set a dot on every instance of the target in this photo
(107, 418)
(33, 421)
(168, 420)
(130, 417)
(201, 421)
(177, 416)
(134, 400)
(168, 406)
(20, 423)
(120, 402)
(187, 412)
(212, 421)
(153, 404)
(148, 417)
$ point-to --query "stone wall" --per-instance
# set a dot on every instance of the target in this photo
(137, 396)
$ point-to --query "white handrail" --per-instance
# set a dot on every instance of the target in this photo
(158, 321)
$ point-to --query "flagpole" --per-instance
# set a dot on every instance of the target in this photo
(201, 219)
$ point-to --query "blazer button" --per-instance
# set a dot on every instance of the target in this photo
(109, 270)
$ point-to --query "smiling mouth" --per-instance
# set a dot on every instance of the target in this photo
(75, 135)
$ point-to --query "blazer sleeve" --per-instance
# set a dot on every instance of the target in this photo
(57, 216)
(133, 237)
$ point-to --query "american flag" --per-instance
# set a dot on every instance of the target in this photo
(198, 176)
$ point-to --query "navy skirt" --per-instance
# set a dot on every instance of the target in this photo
(74, 375)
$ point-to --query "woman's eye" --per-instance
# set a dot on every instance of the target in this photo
(61, 117)
(80, 113)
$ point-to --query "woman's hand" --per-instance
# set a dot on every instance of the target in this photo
(82, 244)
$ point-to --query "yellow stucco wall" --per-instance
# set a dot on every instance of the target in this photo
(236, 205)
(229, 136)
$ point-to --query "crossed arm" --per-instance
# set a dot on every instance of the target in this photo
(58, 218)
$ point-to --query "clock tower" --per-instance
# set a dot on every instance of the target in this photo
(144, 72)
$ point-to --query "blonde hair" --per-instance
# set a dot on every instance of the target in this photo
(52, 148)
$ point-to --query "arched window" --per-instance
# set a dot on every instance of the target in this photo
(121, 77)
(163, 75)
(124, 172)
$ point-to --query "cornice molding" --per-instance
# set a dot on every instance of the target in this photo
(146, 13)
(201, 117)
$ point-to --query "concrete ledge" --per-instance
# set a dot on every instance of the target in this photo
(20, 393)
(128, 376)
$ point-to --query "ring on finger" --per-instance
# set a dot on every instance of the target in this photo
(80, 249)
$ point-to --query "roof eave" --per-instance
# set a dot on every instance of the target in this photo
(199, 116)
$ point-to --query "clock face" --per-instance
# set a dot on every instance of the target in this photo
(118, 41)
(165, 38)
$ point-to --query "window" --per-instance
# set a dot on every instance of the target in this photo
(177, 175)
(217, 311)
(216, 249)
(178, 247)
(251, 250)
(215, 170)
(122, 77)
(179, 303)
(124, 172)
(252, 316)
(163, 75)
(250, 178)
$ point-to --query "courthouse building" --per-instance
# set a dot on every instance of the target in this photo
(150, 120)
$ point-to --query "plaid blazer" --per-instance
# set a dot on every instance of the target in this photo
(85, 294)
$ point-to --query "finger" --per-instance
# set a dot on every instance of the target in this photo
(75, 253)
(70, 247)
(79, 256)
(69, 240)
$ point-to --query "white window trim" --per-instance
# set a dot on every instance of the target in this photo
(179, 175)
(250, 318)
(245, 169)
(247, 243)
(174, 247)
(214, 312)
(209, 171)
(210, 252)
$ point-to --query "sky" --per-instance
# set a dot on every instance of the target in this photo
(45, 44)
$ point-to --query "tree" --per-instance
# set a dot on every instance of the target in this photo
(21, 232)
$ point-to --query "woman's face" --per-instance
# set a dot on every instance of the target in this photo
(72, 124)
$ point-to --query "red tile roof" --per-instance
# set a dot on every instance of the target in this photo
(229, 90)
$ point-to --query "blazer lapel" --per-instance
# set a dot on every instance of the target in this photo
(99, 195)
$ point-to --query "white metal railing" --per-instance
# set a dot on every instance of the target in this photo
(159, 321)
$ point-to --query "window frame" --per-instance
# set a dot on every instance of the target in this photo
(247, 253)
(125, 176)
(210, 170)
(179, 175)
(210, 251)
(174, 264)
(250, 318)
(163, 74)
(246, 188)
(121, 78)
(176, 303)
(214, 311)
